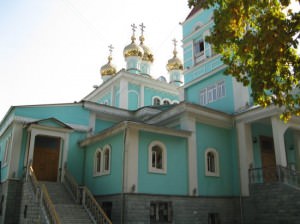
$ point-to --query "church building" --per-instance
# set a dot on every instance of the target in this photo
(193, 149)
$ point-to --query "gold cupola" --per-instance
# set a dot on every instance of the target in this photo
(148, 55)
(174, 63)
(133, 50)
(108, 70)
(175, 68)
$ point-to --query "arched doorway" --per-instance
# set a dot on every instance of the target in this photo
(46, 157)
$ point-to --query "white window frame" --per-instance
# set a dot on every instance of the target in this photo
(102, 171)
(152, 169)
(6, 151)
(96, 171)
(199, 56)
(158, 98)
(221, 89)
(175, 102)
(216, 172)
(166, 100)
(203, 96)
(105, 149)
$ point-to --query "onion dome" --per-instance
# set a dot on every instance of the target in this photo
(148, 55)
(133, 49)
(108, 69)
(174, 63)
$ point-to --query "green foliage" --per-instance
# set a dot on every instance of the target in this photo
(257, 40)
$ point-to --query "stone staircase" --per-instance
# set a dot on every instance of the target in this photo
(68, 210)
(272, 203)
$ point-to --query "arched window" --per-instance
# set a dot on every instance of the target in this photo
(97, 162)
(157, 157)
(156, 101)
(102, 161)
(166, 102)
(211, 162)
(106, 159)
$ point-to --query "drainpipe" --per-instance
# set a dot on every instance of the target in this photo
(123, 176)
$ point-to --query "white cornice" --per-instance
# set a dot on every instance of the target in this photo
(200, 113)
(134, 125)
(205, 75)
(132, 78)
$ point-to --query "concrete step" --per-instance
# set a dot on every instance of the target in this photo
(68, 211)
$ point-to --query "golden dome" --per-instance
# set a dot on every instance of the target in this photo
(174, 63)
(133, 49)
(108, 69)
(148, 55)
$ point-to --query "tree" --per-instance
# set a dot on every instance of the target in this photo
(258, 40)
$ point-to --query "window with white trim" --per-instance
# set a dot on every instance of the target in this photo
(157, 157)
(106, 159)
(213, 93)
(102, 161)
(156, 101)
(6, 150)
(97, 162)
(166, 102)
(211, 162)
(199, 51)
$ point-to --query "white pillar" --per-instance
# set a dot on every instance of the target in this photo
(189, 124)
(297, 148)
(131, 161)
(245, 150)
(142, 94)
(278, 128)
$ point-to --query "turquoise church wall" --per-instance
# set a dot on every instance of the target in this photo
(71, 114)
(202, 18)
(22, 153)
(150, 93)
(106, 99)
(290, 147)
(4, 166)
(75, 160)
(111, 183)
(133, 96)
(225, 104)
(175, 181)
(102, 124)
(221, 140)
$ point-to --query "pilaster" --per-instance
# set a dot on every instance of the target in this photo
(123, 94)
(245, 150)
(278, 128)
(189, 124)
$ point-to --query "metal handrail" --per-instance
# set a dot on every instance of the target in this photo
(72, 186)
(49, 206)
(274, 174)
(90, 203)
(41, 193)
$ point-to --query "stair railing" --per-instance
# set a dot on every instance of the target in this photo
(274, 174)
(72, 186)
(43, 197)
(83, 196)
(49, 206)
(90, 203)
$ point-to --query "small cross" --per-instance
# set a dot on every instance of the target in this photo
(110, 47)
(175, 42)
(142, 28)
(133, 28)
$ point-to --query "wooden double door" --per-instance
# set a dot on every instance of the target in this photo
(46, 158)
(268, 159)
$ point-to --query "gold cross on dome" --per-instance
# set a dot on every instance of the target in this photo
(133, 28)
(175, 42)
(110, 47)
(142, 28)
